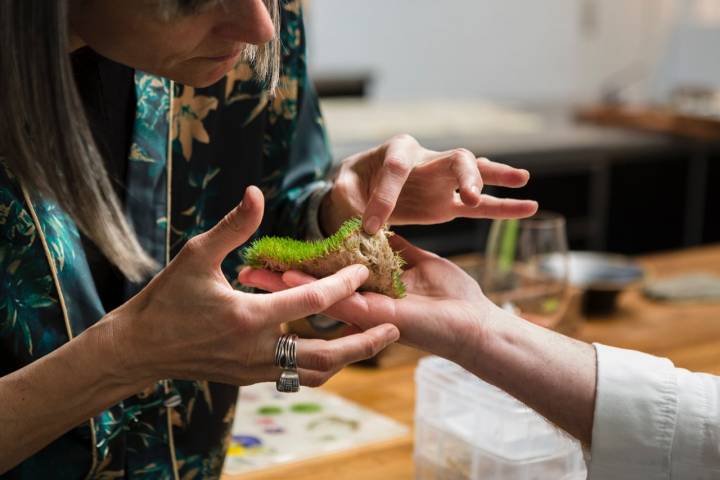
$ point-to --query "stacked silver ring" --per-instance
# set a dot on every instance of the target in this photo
(286, 358)
(286, 352)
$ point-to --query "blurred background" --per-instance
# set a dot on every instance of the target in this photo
(613, 105)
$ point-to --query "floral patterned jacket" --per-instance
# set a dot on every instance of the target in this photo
(193, 153)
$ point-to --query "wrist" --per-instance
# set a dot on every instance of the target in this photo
(125, 365)
(325, 217)
(495, 327)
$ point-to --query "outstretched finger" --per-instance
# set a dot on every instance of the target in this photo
(295, 278)
(356, 309)
(331, 355)
(317, 360)
(499, 208)
(317, 296)
(262, 279)
(501, 175)
(275, 282)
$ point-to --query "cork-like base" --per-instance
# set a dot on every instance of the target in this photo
(373, 251)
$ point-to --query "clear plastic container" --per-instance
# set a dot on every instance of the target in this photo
(467, 429)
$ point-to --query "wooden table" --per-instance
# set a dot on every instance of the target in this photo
(689, 334)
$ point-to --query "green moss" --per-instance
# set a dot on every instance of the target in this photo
(398, 285)
(323, 257)
(292, 252)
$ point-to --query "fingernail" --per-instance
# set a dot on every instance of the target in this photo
(474, 189)
(372, 225)
(392, 333)
(361, 270)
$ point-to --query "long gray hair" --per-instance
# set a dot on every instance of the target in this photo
(45, 139)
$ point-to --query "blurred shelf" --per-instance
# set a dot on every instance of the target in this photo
(653, 119)
(485, 128)
(622, 189)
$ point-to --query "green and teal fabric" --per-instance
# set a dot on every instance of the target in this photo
(204, 146)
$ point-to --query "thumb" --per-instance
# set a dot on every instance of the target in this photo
(234, 229)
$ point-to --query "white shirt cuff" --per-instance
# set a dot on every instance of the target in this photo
(696, 445)
(636, 410)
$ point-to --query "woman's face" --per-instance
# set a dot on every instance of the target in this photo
(196, 49)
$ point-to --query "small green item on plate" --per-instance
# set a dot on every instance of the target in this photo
(320, 258)
(306, 408)
(269, 410)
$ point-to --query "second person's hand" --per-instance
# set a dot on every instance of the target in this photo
(401, 183)
(446, 313)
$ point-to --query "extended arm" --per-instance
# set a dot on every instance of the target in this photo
(642, 417)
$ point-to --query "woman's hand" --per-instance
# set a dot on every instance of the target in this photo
(400, 183)
(444, 312)
(189, 323)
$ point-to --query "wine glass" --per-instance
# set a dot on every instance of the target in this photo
(527, 266)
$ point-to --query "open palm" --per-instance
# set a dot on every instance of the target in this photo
(442, 312)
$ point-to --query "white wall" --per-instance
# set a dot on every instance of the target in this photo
(512, 50)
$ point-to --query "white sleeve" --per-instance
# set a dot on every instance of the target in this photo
(652, 420)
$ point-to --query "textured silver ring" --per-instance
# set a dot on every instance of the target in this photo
(292, 353)
(279, 346)
(286, 352)
(289, 381)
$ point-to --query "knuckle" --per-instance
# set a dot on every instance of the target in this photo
(464, 152)
(251, 314)
(462, 162)
(324, 359)
(397, 165)
(233, 220)
(384, 200)
(342, 184)
(348, 284)
(315, 299)
(461, 156)
(370, 348)
(193, 246)
(456, 164)
(403, 137)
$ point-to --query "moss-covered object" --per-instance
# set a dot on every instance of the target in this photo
(349, 245)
